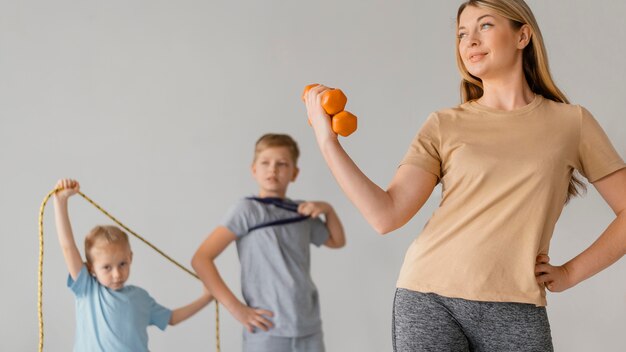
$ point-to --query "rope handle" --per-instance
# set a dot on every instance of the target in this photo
(40, 265)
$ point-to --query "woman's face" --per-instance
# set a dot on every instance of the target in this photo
(488, 44)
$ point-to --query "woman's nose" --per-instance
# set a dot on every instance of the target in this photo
(472, 39)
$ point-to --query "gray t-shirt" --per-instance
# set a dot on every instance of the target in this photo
(275, 265)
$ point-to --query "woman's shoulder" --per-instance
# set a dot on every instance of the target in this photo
(561, 107)
(574, 114)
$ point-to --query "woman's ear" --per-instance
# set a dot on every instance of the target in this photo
(525, 34)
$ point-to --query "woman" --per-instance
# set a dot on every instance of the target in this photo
(475, 278)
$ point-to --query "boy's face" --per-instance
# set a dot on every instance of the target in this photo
(111, 264)
(273, 170)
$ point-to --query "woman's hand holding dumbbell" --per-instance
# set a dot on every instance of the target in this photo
(328, 104)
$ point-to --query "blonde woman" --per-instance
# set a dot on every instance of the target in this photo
(475, 277)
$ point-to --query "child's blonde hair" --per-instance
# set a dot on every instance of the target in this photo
(108, 233)
(270, 140)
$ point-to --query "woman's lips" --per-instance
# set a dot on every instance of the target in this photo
(476, 57)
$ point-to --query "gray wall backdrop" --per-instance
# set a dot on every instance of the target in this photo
(155, 105)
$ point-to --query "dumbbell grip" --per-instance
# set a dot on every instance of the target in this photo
(333, 102)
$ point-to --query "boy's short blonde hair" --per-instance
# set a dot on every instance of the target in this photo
(108, 233)
(270, 140)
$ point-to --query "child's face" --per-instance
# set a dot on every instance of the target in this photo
(111, 264)
(273, 170)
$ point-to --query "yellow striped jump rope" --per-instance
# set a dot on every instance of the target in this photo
(40, 276)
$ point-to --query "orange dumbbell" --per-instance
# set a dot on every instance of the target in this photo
(334, 102)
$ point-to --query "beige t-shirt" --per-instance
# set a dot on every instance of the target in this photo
(504, 177)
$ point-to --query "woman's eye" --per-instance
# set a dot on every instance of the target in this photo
(486, 25)
(462, 35)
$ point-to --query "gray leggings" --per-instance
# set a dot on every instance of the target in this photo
(429, 322)
(263, 342)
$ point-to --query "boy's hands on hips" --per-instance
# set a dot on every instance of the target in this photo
(253, 317)
(314, 209)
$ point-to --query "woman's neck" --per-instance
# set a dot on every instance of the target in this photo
(507, 93)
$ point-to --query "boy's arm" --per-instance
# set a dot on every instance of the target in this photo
(185, 312)
(204, 265)
(71, 254)
(336, 236)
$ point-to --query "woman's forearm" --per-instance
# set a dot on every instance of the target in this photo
(384, 210)
(373, 202)
(606, 250)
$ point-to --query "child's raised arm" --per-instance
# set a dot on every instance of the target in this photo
(336, 236)
(204, 265)
(71, 254)
(185, 312)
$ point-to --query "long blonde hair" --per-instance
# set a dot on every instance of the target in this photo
(535, 63)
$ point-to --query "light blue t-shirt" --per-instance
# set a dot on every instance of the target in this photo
(275, 264)
(109, 320)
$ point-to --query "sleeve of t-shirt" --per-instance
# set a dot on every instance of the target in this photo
(237, 220)
(83, 284)
(159, 315)
(596, 155)
(424, 149)
(319, 232)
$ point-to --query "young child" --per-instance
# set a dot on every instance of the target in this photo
(110, 316)
(273, 235)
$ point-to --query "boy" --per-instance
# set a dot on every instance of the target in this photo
(273, 235)
(109, 315)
